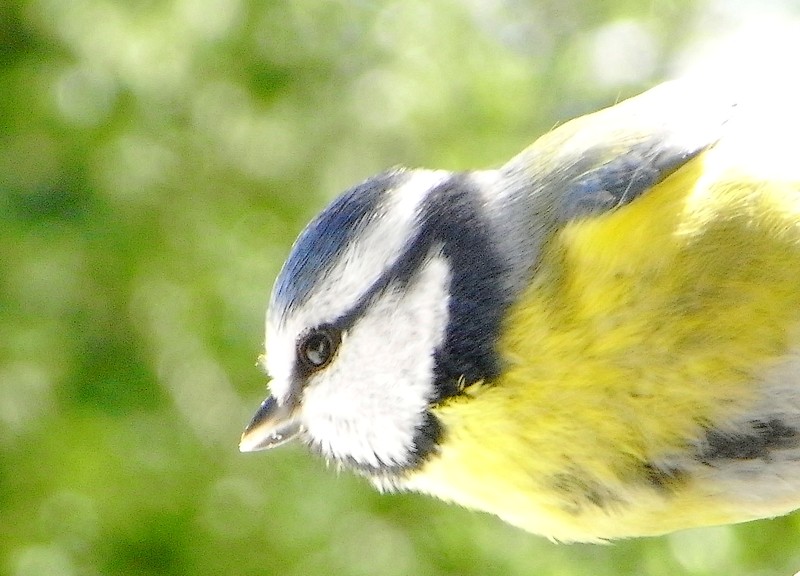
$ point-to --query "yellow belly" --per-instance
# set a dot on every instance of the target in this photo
(643, 328)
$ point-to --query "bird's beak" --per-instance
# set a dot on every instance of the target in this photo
(272, 425)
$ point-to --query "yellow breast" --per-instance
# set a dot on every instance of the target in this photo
(643, 329)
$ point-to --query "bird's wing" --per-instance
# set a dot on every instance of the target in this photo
(604, 160)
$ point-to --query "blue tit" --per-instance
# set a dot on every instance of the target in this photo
(599, 339)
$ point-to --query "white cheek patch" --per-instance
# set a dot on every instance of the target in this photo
(368, 404)
(377, 247)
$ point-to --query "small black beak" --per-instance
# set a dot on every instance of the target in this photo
(271, 426)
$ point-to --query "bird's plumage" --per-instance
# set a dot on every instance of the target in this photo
(598, 339)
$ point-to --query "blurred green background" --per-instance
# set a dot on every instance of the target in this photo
(157, 158)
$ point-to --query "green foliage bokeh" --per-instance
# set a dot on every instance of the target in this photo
(157, 158)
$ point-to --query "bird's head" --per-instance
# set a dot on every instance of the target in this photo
(373, 320)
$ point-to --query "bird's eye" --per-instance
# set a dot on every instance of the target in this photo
(317, 348)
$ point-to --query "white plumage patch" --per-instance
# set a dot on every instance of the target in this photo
(368, 404)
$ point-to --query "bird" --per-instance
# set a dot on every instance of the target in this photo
(598, 339)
